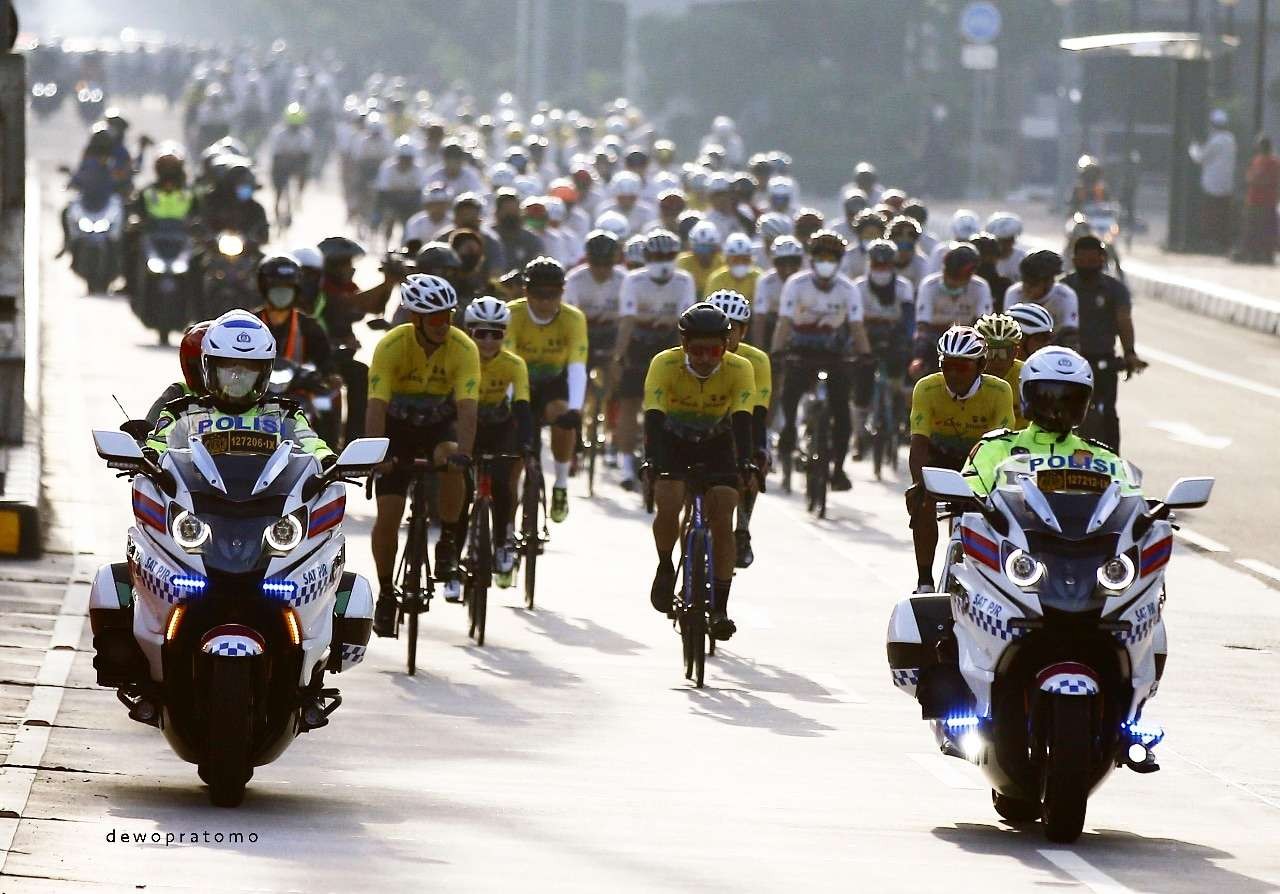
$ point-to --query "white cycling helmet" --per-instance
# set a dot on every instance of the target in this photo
(1056, 387)
(422, 293)
(661, 242)
(665, 180)
(405, 148)
(308, 257)
(736, 245)
(633, 250)
(1032, 318)
(787, 246)
(718, 183)
(626, 183)
(781, 187)
(502, 174)
(734, 304)
(962, 342)
(236, 356)
(704, 234)
(772, 224)
(487, 312)
(1004, 225)
(527, 186)
(964, 225)
(615, 223)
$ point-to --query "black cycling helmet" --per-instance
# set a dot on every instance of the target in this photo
(961, 259)
(988, 246)
(543, 271)
(278, 270)
(882, 251)
(686, 222)
(602, 247)
(827, 241)
(1040, 265)
(437, 256)
(339, 248)
(704, 320)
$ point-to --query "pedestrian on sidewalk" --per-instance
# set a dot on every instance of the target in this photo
(1262, 193)
(1217, 159)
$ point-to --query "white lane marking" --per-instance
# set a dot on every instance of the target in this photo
(951, 771)
(1208, 544)
(1208, 372)
(1186, 433)
(1082, 871)
(1259, 567)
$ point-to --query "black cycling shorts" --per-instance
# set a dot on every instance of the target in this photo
(410, 442)
(497, 437)
(717, 454)
(545, 392)
(644, 346)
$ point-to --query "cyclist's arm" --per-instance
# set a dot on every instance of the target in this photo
(921, 430)
(655, 418)
(577, 371)
(742, 407)
(625, 327)
(375, 418)
(861, 344)
(523, 414)
(918, 457)
(466, 427)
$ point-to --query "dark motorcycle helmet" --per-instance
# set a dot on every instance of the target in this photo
(339, 249)
(100, 142)
(543, 271)
(602, 247)
(437, 256)
(704, 320)
(279, 270)
(1040, 265)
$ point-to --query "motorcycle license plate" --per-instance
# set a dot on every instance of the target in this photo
(239, 442)
(1053, 481)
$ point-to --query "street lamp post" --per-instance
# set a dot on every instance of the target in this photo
(1260, 68)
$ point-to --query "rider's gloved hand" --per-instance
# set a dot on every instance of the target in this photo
(569, 419)
(151, 455)
(328, 461)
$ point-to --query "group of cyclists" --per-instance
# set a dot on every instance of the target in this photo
(552, 266)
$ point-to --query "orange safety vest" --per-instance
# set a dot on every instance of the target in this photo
(295, 347)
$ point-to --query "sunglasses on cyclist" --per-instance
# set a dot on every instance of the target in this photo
(488, 334)
(438, 317)
(959, 364)
(705, 352)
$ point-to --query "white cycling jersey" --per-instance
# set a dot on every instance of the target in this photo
(1060, 301)
(656, 304)
(875, 310)
(600, 301)
(810, 307)
(937, 307)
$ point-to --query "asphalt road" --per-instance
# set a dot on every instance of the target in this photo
(570, 755)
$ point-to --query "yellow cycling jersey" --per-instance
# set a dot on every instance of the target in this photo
(689, 263)
(954, 426)
(418, 387)
(547, 350)
(723, 279)
(698, 408)
(504, 379)
(1014, 378)
(761, 369)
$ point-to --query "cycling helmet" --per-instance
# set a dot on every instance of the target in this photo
(903, 223)
(1056, 387)
(340, 248)
(502, 174)
(614, 223)
(962, 342)
(564, 190)
(961, 259)
(1088, 164)
(868, 217)
(236, 356)
(704, 320)
(894, 198)
(626, 183)
(189, 350)
(718, 183)
(487, 312)
(1032, 319)
(1040, 265)
(437, 256)
(738, 244)
(998, 330)
(781, 187)
(1004, 225)
(633, 251)
(704, 235)
(660, 242)
(828, 241)
(882, 251)
(855, 201)
(786, 247)
(685, 224)
(780, 160)
(543, 271)
(733, 304)
(964, 223)
(114, 119)
(422, 293)
(278, 270)
(308, 257)
(916, 211)
(601, 246)
(772, 225)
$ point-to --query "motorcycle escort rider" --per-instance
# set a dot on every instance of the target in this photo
(168, 199)
(279, 284)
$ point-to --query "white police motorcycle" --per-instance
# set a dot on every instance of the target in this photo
(234, 599)
(1039, 660)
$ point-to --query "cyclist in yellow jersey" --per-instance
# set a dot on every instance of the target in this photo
(950, 411)
(738, 274)
(505, 421)
(1003, 337)
(551, 337)
(423, 385)
(697, 412)
(735, 306)
(703, 257)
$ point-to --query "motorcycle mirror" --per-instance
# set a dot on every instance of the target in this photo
(379, 324)
(947, 485)
(118, 449)
(360, 456)
(1189, 493)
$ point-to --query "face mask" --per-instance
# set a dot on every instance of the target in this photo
(825, 269)
(244, 192)
(661, 271)
(739, 271)
(881, 277)
(953, 291)
(906, 246)
(280, 297)
(536, 225)
(235, 381)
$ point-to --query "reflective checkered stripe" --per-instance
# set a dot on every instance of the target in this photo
(1068, 678)
(160, 584)
(352, 655)
(1139, 632)
(905, 677)
(233, 640)
(992, 626)
(232, 648)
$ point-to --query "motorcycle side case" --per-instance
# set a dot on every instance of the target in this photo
(352, 623)
(117, 659)
(916, 625)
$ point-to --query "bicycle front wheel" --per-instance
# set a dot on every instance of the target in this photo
(529, 534)
(694, 618)
(479, 571)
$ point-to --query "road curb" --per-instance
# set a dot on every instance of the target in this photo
(1207, 299)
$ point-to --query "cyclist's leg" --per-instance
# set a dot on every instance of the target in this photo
(453, 494)
(841, 421)
(720, 502)
(793, 388)
(385, 536)
(742, 531)
(668, 499)
(924, 532)
(562, 444)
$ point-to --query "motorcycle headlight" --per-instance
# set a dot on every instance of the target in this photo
(86, 225)
(180, 266)
(188, 531)
(230, 245)
(155, 265)
(1116, 573)
(102, 226)
(284, 534)
(1024, 570)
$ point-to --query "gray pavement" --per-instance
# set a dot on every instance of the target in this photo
(569, 754)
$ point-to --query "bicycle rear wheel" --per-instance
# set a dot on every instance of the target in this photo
(697, 609)
(411, 584)
(593, 450)
(818, 464)
(531, 500)
(479, 571)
